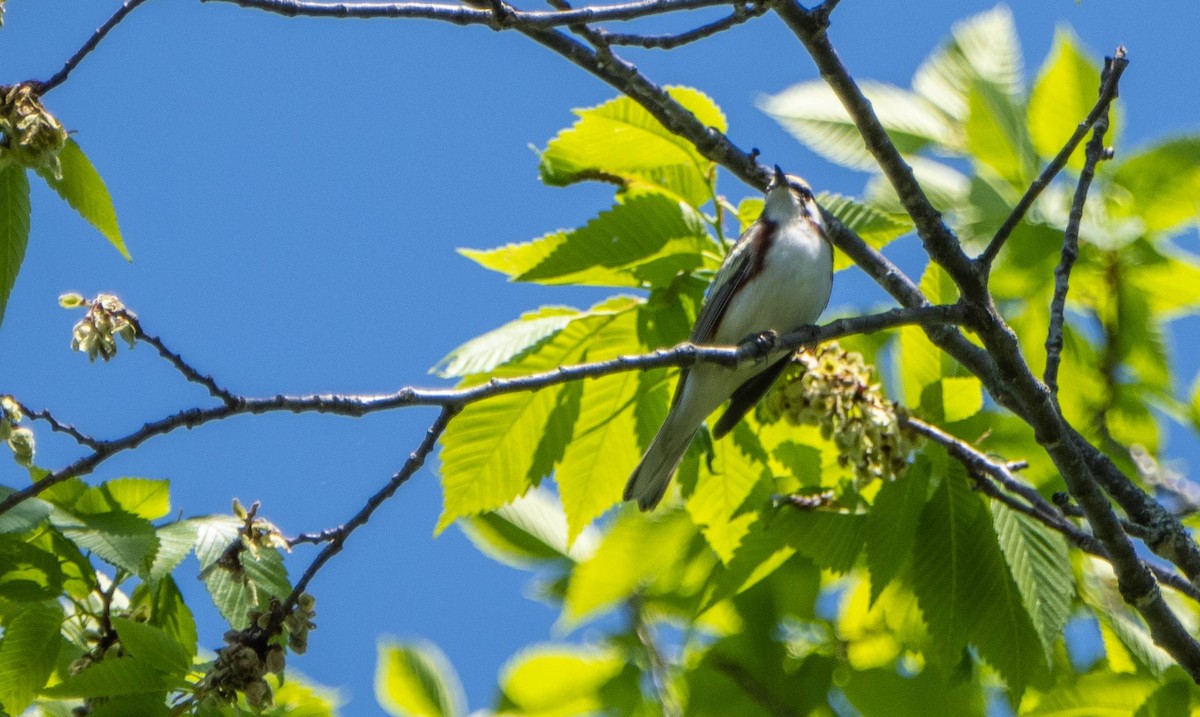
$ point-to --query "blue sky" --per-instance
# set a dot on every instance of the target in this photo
(292, 192)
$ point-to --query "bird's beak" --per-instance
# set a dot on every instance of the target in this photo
(779, 180)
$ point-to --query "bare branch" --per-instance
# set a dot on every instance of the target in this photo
(183, 367)
(58, 426)
(1096, 152)
(1109, 80)
(741, 13)
(59, 77)
(466, 15)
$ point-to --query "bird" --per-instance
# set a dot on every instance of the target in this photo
(777, 277)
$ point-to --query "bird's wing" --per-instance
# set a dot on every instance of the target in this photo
(738, 267)
(747, 397)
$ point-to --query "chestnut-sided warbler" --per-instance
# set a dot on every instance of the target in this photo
(777, 277)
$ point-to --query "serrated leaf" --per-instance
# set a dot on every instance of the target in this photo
(14, 227)
(892, 524)
(644, 240)
(1099, 694)
(489, 450)
(143, 497)
(759, 553)
(717, 503)
(622, 561)
(925, 365)
(499, 346)
(981, 48)
(997, 136)
(115, 677)
(153, 645)
(175, 541)
(558, 680)
(1162, 184)
(1137, 641)
(1170, 286)
(1173, 699)
(621, 139)
(416, 680)
(876, 227)
(1065, 91)
(119, 538)
(24, 515)
(947, 188)
(831, 540)
(964, 588)
(1038, 560)
(248, 581)
(962, 397)
(527, 533)
(813, 114)
(164, 603)
(28, 651)
(83, 189)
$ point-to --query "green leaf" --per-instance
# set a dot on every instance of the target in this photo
(1173, 699)
(14, 227)
(964, 588)
(175, 541)
(1136, 640)
(499, 346)
(1038, 560)
(644, 240)
(997, 136)
(1064, 94)
(1099, 694)
(875, 226)
(115, 677)
(831, 540)
(623, 562)
(28, 652)
(416, 680)
(31, 573)
(884, 693)
(152, 645)
(558, 680)
(528, 533)
(143, 497)
(23, 516)
(759, 554)
(620, 139)
(982, 48)
(717, 503)
(814, 115)
(924, 364)
(1171, 285)
(947, 188)
(962, 397)
(164, 604)
(119, 538)
(488, 451)
(83, 189)
(892, 524)
(238, 579)
(1161, 185)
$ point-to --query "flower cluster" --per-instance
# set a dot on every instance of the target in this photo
(250, 654)
(19, 439)
(106, 319)
(833, 388)
(32, 136)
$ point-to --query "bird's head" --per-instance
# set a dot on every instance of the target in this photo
(787, 194)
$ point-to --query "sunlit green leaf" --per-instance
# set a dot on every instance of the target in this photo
(1161, 184)
(883, 693)
(14, 227)
(1100, 694)
(484, 353)
(620, 139)
(489, 450)
(116, 677)
(1066, 89)
(558, 680)
(997, 136)
(876, 227)
(1173, 699)
(830, 539)
(153, 645)
(530, 531)
(120, 538)
(982, 48)
(83, 189)
(142, 497)
(416, 680)
(814, 115)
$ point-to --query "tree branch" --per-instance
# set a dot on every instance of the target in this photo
(1109, 79)
(59, 77)
(683, 355)
(741, 13)
(1096, 152)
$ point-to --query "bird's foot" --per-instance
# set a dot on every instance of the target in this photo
(763, 342)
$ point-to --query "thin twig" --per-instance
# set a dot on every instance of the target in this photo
(59, 77)
(182, 366)
(741, 13)
(461, 15)
(58, 426)
(659, 666)
(1095, 152)
(1108, 93)
(334, 545)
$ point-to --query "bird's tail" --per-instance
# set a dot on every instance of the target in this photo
(652, 476)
